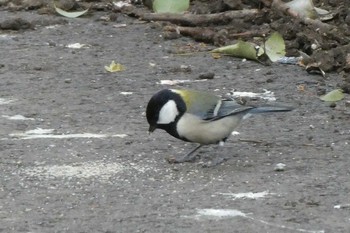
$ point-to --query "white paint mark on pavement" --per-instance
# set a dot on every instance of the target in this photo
(6, 36)
(101, 170)
(77, 46)
(220, 213)
(286, 227)
(178, 81)
(40, 133)
(249, 195)
(342, 206)
(126, 93)
(231, 213)
(5, 101)
(18, 118)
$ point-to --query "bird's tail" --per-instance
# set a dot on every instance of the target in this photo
(264, 109)
(267, 109)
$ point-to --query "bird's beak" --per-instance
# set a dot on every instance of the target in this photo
(152, 128)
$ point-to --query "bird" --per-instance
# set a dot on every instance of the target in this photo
(199, 116)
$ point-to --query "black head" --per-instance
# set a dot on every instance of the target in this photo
(164, 109)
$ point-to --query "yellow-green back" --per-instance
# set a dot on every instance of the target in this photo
(198, 102)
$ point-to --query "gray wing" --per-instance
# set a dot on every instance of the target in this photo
(220, 108)
(228, 108)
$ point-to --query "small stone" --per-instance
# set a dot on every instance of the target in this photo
(15, 24)
(171, 35)
(208, 75)
(185, 68)
(332, 104)
(68, 80)
(279, 167)
(51, 43)
(321, 91)
(347, 103)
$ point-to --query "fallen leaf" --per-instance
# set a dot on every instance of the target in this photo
(216, 55)
(274, 46)
(170, 6)
(241, 49)
(333, 96)
(115, 67)
(301, 87)
(69, 14)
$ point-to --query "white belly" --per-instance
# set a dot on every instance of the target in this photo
(206, 132)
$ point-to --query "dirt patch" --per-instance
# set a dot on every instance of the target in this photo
(78, 176)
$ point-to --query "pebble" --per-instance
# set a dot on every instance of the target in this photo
(208, 75)
(279, 167)
(347, 103)
(332, 104)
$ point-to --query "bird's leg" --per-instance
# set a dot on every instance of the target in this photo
(218, 160)
(189, 157)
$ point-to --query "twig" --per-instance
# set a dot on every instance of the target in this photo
(199, 20)
(254, 33)
(250, 140)
(199, 34)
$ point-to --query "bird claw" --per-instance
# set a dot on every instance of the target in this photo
(190, 157)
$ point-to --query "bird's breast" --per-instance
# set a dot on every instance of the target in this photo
(204, 132)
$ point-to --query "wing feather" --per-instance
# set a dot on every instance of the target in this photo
(230, 107)
(210, 107)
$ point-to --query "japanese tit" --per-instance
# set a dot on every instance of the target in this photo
(198, 116)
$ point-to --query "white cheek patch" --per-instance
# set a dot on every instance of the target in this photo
(168, 113)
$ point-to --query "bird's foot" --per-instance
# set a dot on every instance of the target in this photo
(189, 157)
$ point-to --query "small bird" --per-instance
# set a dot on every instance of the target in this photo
(198, 116)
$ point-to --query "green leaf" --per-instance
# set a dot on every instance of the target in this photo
(274, 46)
(69, 14)
(333, 96)
(240, 49)
(170, 6)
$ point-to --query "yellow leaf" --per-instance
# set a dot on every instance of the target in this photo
(115, 67)
(216, 55)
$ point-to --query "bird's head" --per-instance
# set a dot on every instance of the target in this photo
(164, 109)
